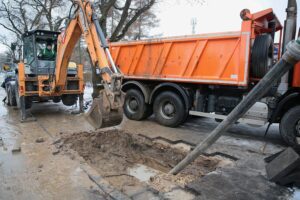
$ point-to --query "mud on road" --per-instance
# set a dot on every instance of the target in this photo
(115, 153)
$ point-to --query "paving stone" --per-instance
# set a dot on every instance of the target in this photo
(16, 149)
(235, 183)
(178, 194)
(40, 140)
(55, 152)
(103, 184)
(282, 165)
(146, 195)
(290, 179)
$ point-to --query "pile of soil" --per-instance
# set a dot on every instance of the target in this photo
(112, 152)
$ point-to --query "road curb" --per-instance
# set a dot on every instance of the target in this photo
(103, 184)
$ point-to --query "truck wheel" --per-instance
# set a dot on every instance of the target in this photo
(28, 103)
(17, 96)
(262, 56)
(290, 127)
(169, 109)
(135, 107)
(8, 93)
(69, 100)
(11, 96)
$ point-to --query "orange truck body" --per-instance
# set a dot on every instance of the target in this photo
(296, 77)
(219, 58)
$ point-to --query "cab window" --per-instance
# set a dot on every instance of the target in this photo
(29, 49)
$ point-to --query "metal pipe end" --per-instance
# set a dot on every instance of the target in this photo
(292, 54)
(292, 3)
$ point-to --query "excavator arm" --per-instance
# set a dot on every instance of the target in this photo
(106, 109)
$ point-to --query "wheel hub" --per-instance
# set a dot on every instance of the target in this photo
(169, 109)
(133, 104)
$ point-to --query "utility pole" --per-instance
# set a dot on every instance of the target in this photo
(140, 24)
(194, 24)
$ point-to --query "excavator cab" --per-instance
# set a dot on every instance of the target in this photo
(35, 48)
(36, 72)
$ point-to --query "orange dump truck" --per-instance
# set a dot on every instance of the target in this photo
(205, 75)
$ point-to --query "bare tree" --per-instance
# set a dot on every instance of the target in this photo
(5, 58)
(19, 16)
(11, 48)
(122, 14)
(53, 12)
(140, 29)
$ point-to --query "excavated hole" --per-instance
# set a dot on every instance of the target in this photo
(118, 156)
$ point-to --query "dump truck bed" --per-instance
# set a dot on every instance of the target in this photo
(220, 58)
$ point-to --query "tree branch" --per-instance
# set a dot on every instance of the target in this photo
(122, 20)
(133, 19)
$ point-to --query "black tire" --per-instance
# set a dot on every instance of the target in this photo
(262, 56)
(56, 99)
(28, 103)
(171, 116)
(8, 95)
(290, 126)
(17, 96)
(135, 107)
(11, 96)
(28, 100)
(69, 99)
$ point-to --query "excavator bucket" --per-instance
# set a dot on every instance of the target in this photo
(102, 114)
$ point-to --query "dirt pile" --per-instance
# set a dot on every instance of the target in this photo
(113, 152)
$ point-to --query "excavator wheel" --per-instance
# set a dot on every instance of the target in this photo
(69, 99)
(101, 115)
(11, 97)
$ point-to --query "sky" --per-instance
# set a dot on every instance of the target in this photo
(213, 16)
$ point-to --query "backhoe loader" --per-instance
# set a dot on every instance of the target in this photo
(39, 77)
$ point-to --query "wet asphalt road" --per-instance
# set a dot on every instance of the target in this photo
(35, 173)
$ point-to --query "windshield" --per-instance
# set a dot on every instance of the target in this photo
(46, 49)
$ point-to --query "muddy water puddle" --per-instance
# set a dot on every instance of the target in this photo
(128, 160)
